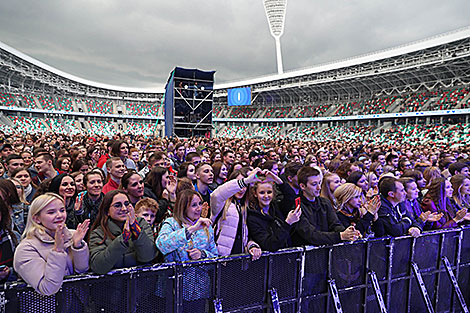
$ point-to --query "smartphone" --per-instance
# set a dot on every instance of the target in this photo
(297, 202)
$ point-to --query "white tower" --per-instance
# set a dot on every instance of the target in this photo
(276, 14)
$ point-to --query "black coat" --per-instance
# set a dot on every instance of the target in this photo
(393, 221)
(362, 224)
(318, 224)
(270, 231)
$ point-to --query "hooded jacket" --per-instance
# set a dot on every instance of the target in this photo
(44, 268)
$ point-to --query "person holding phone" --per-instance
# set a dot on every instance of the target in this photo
(265, 223)
(49, 250)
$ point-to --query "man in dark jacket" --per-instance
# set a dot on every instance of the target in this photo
(393, 220)
(289, 189)
(318, 224)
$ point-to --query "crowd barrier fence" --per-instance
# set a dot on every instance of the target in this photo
(401, 274)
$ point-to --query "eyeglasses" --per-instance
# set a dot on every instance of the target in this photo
(120, 205)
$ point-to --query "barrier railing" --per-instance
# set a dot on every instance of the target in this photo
(378, 275)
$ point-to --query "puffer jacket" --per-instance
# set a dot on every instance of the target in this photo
(118, 254)
(44, 268)
(226, 228)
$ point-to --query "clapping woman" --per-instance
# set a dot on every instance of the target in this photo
(352, 211)
(118, 239)
(48, 250)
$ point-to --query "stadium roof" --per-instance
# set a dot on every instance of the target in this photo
(17, 65)
(434, 41)
(77, 79)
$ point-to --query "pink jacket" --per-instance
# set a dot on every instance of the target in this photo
(44, 269)
(226, 229)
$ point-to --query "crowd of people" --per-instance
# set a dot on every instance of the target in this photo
(72, 204)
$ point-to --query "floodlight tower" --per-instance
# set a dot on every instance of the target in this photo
(276, 14)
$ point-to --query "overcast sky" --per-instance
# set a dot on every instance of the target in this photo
(137, 43)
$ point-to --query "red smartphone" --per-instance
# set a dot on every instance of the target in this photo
(297, 202)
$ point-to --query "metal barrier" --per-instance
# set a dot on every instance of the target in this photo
(379, 275)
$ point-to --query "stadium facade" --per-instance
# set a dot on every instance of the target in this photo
(422, 82)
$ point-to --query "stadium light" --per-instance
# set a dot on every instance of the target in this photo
(276, 12)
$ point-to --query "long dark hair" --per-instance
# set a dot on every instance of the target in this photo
(102, 217)
(8, 190)
(154, 180)
(437, 193)
(5, 220)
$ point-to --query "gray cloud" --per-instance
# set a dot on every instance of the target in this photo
(137, 43)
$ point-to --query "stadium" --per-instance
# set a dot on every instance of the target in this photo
(411, 88)
(412, 97)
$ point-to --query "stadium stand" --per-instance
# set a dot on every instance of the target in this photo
(142, 108)
(103, 128)
(97, 106)
(27, 101)
(46, 102)
(7, 99)
(28, 124)
(64, 104)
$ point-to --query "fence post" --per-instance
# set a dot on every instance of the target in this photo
(378, 293)
(334, 294)
(178, 288)
(422, 287)
(455, 284)
(301, 274)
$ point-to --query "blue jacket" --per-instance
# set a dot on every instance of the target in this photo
(172, 241)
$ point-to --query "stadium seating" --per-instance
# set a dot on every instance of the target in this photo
(268, 132)
(104, 128)
(28, 124)
(64, 104)
(233, 132)
(242, 112)
(97, 106)
(7, 99)
(27, 101)
(46, 102)
(142, 108)
(145, 129)
(449, 99)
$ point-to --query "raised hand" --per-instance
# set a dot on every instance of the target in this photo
(434, 217)
(126, 225)
(205, 209)
(79, 202)
(270, 176)
(80, 233)
(171, 185)
(59, 239)
(294, 215)
(253, 176)
(460, 215)
(373, 205)
(200, 224)
(131, 216)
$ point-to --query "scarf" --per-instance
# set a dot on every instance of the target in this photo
(91, 206)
